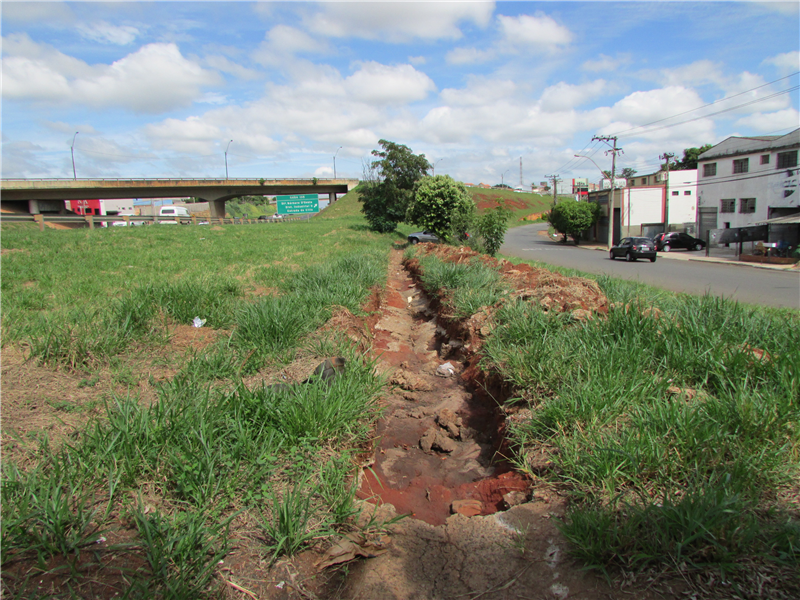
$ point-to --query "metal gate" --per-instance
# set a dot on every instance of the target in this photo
(708, 221)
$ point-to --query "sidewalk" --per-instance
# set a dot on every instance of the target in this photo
(700, 257)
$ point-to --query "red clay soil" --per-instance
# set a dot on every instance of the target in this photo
(416, 480)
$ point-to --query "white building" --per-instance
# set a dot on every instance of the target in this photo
(681, 204)
(747, 180)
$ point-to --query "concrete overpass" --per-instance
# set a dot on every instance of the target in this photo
(36, 196)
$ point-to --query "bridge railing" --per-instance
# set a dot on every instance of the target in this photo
(91, 221)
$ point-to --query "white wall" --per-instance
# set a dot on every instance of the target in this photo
(641, 205)
(683, 207)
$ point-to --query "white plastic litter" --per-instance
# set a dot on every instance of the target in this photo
(445, 370)
(198, 322)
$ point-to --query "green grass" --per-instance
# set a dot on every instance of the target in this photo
(533, 203)
(210, 446)
(675, 435)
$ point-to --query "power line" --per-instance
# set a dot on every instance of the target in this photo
(709, 104)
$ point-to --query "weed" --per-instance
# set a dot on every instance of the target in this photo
(289, 528)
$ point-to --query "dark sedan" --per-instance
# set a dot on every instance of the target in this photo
(675, 239)
(632, 248)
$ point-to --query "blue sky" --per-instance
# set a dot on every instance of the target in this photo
(160, 89)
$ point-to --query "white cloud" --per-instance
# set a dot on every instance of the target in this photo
(701, 72)
(225, 65)
(68, 128)
(786, 8)
(479, 92)
(417, 60)
(607, 63)
(563, 96)
(193, 135)
(787, 62)
(283, 42)
(769, 122)
(105, 33)
(534, 31)
(398, 21)
(375, 83)
(644, 107)
(37, 12)
(155, 78)
(469, 56)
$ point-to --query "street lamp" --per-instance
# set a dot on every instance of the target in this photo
(334, 160)
(226, 159)
(594, 163)
(72, 151)
(502, 178)
(434, 166)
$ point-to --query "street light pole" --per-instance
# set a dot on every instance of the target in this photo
(502, 178)
(334, 160)
(434, 166)
(72, 151)
(226, 159)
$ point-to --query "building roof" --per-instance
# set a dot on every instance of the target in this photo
(750, 145)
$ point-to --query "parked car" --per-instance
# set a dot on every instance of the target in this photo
(272, 217)
(675, 239)
(634, 247)
(130, 222)
(422, 236)
(170, 212)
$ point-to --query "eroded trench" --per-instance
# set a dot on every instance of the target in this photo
(438, 444)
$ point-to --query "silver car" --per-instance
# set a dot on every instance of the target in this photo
(422, 236)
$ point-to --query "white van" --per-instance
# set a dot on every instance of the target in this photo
(169, 213)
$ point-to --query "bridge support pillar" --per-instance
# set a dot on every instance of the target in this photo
(331, 197)
(216, 209)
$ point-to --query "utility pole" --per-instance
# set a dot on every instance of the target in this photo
(555, 179)
(666, 156)
(611, 193)
(520, 172)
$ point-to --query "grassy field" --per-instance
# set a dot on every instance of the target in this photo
(521, 204)
(214, 450)
(671, 423)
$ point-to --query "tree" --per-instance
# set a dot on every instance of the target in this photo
(628, 173)
(571, 218)
(492, 226)
(439, 203)
(690, 156)
(389, 185)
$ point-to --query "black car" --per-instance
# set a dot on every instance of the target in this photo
(634, 247)
(670, 241)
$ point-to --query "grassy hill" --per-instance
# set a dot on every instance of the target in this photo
(521, 204)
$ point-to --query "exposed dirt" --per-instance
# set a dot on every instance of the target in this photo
(437, 453)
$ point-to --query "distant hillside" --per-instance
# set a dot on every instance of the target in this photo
(522, 204)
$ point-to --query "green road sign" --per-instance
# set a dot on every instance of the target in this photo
(298, 204)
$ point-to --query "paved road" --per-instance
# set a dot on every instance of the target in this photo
(745, 284)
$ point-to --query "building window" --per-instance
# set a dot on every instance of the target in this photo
(727, 206)
(765, 159)
(709, 170)
(747, 206)
(787, 160)
(644, 180)
(675, 192)
(741, 165)
(687, 193)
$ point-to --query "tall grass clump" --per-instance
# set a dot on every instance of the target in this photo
(466, 287)
(675, 423)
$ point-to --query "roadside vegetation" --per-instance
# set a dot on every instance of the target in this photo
(671, 423)
(194, 451)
